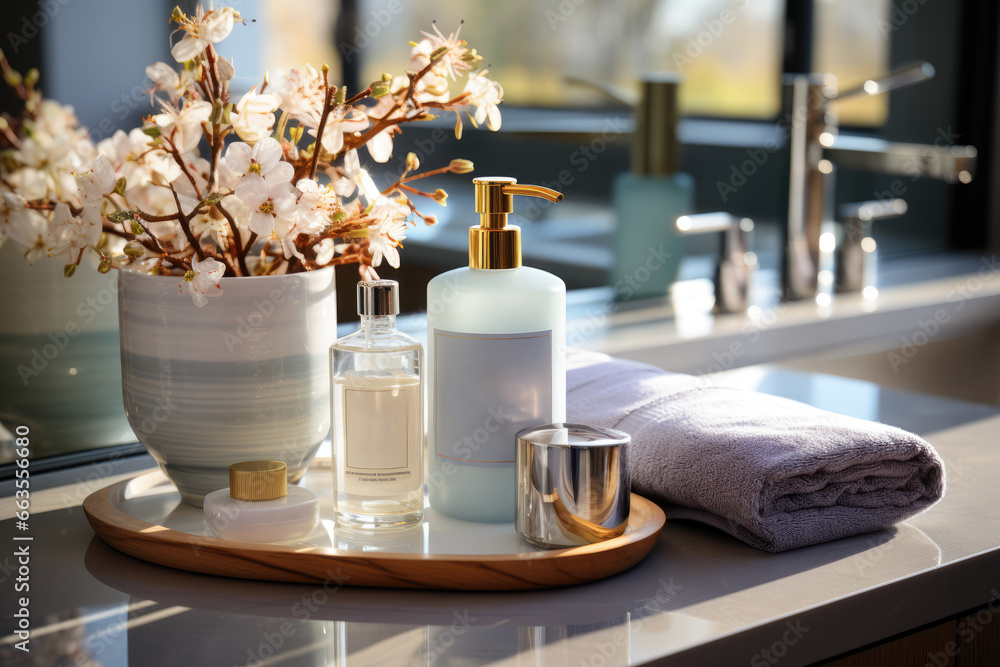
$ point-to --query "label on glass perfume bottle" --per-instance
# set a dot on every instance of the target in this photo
(487, 387)
(382, 438)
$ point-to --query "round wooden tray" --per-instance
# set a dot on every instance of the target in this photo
(144, 517)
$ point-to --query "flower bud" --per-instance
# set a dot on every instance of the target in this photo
(386, 77)
(13, 79)
(412, 162)
(460, 166)
(31, 78)
(216, 116)
(341, 95)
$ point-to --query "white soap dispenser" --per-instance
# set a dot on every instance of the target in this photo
(496, 336)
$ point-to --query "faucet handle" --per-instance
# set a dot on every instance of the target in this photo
(857, 245)
(734, 267)
(876, 209)
(905, 75)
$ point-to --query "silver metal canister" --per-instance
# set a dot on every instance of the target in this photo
(573, 485)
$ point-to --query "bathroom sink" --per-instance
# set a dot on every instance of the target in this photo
(927, 360)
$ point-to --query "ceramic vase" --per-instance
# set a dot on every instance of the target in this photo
(243, 378)
(59, 355)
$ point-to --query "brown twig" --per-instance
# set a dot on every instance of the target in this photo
(186, 227)
(327, 108)
(237, 249)
(180, 161)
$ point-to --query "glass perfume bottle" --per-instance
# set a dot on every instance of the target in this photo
(378, 453)
(648, 249)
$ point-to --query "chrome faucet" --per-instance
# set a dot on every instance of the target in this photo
(735, 265)
(815, 146)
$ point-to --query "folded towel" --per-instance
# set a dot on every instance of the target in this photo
(774, 473)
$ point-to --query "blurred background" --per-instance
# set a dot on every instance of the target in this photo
(562, 64)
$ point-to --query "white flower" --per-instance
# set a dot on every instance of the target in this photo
(484, 96)
(315, 208)
(166, 78)
(264, 159)
(212, 27)
(182, 127)
(69, 231)
(265, 198)
(92, 187)
(344, 184)
(253, 116)
(451, 61)
(216, 228)
(302, 95)
(387, 232)
(32, 184)
(432, 86)
(389, 227)
(380, 146)
(132, 158)
(52, 148)
(286, 231)
(225, 69)
(340, 121)
(104, 175)
(24, 226)
(203, 280)
(324, 250)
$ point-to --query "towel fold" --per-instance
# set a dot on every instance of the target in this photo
(772, 472)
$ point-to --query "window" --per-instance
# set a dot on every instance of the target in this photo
(729, 51)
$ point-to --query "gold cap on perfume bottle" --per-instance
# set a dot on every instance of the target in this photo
(258, 480)
(494, 244)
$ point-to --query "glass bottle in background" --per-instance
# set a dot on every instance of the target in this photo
(378, 464)
(648, 249)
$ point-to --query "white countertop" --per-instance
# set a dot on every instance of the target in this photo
(701, 597)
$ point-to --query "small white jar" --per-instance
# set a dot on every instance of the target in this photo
(259, 506)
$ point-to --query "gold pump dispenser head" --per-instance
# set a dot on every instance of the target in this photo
(494, 244)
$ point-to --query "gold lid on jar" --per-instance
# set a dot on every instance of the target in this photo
(258, 480)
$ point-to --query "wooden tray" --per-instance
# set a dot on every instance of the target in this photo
(144, 517)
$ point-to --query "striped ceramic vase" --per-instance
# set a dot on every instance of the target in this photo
(59, 356)
(244, 378)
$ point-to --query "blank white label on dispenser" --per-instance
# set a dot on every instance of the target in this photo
(487, 387)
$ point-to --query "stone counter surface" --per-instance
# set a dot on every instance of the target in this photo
(700, 598)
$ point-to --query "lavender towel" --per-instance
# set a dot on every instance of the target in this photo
(774, 473)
